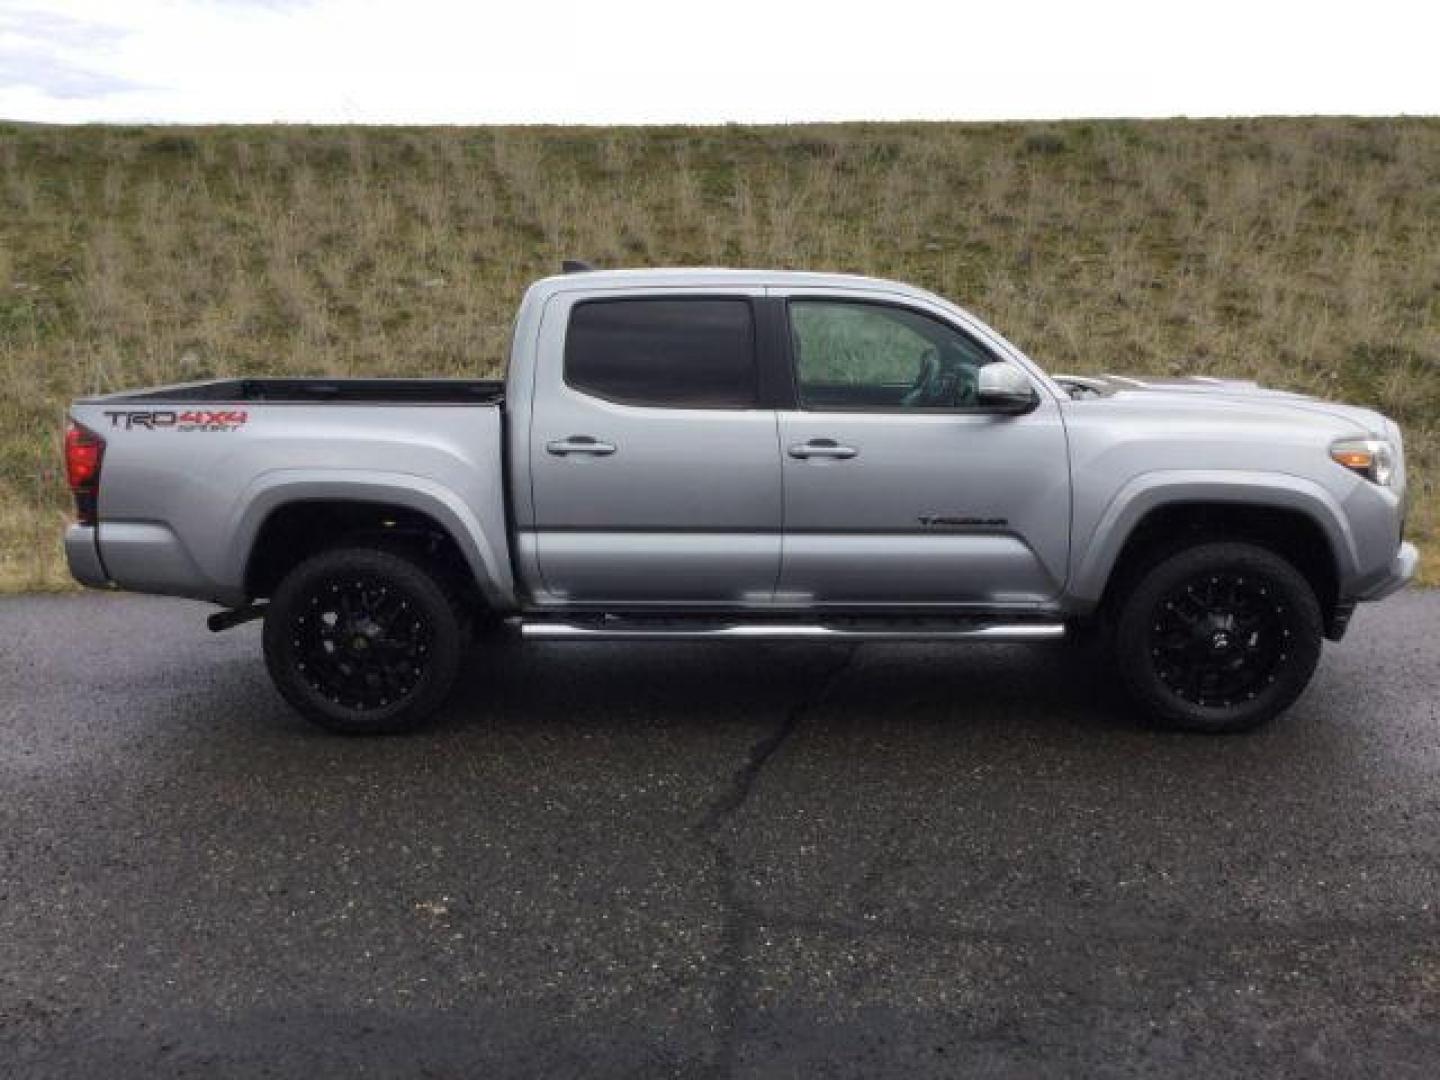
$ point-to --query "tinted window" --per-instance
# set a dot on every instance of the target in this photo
(693, 353)
(876, 356)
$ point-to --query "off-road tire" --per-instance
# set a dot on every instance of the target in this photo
(364, 641)
(1219, 637)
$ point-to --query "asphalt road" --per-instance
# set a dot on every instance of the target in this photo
(706, 861)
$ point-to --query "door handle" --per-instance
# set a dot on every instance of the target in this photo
(822, 448)
(580, 444)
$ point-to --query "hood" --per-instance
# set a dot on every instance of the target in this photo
(1191, 389)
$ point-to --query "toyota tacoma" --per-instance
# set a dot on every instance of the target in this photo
(726, 455)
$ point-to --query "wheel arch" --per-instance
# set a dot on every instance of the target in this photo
(288, 518)
(1292, 517)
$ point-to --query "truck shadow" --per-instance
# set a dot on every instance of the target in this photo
(629, 683)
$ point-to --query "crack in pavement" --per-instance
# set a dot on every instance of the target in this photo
(739, 917)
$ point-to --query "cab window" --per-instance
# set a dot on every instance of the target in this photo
(691, 353)
(853, 355)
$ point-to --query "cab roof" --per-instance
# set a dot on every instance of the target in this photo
(721, 277)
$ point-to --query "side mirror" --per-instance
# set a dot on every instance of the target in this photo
(1004, 388)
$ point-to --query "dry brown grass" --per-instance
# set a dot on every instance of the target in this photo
(1303, 253)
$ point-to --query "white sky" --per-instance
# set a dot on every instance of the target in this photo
(643, 61)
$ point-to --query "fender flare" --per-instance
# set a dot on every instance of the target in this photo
(270, 491)
(1174, 487)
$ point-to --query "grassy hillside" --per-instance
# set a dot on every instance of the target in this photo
(1303, 253)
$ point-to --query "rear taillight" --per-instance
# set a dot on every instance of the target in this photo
(84, 453)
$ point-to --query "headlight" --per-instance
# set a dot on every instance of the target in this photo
(1373, 459)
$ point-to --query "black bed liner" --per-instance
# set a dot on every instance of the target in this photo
(373, 391)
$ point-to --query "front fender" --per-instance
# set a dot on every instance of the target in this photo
(1094, 557)
(486, 555)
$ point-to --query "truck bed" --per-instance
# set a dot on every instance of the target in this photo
(192, 474)
(317, 391)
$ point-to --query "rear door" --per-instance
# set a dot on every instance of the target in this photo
(900, 490)
(655, 470)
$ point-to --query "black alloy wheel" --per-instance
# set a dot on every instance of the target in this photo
(363, 640)
(1218, 637)
(358, 643)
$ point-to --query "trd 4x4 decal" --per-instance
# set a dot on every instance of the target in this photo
(188, 420)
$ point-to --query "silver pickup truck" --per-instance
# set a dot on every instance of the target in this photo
(738, 455)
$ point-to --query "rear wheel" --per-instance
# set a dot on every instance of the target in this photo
(1219, 637)
(363, 641)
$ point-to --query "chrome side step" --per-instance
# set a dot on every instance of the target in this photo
(621, 628)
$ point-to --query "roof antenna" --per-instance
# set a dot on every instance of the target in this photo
(575, 266)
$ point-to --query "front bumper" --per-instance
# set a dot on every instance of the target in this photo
(82, 552)
(1401, 573)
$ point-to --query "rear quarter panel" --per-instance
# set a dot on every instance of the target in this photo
(180, 505)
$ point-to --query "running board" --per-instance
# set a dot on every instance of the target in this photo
(623, 628)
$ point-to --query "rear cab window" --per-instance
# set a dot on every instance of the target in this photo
(677, 353)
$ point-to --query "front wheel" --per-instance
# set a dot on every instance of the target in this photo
(363, 641)
(1218, 638)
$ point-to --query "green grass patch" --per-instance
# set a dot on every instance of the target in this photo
(1303, 253)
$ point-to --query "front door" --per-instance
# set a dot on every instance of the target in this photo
(655, 473)
(899, 489)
